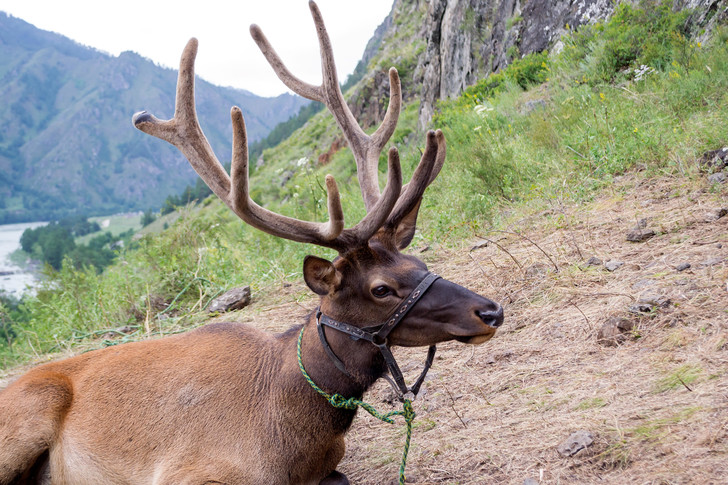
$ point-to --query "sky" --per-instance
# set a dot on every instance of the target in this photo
(227, 55)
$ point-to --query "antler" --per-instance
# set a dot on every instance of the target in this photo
(387, 208)
(366, 148)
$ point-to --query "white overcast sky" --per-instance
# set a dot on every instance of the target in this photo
(227, 56)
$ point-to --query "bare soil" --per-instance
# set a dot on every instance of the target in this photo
(655, 399)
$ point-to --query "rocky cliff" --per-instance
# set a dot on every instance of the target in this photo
(457, 42)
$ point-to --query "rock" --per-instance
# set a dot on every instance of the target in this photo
(712, 261)
(714, 160)
(683, 266)
(536, 270)
(234, 299)
(480, 245)
(717, 178)
(575, 443)
(456, 56)
(614, 331)
(642, 308)
(530, 481)
(641, 284)
(593, 261)
(654, 299)
(715, 214)
(613, 265)
(639, 235)
(640, 232)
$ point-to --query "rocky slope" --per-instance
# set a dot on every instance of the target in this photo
(447, 45)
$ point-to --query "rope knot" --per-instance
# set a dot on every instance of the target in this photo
(339, 401)
(409, 412)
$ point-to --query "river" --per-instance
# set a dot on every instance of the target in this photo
(13, 279)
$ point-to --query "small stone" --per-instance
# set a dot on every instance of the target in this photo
(655, 299)
(575, 443)
(530, 481)
(234, 299)
(639, 235)
(714, 160)
(642, 284)
(641, 308)
(536, 270)
(613, 265)
(717, 178)
(715, 214)
(614, 331)
(593, 261)
(712, 261)
(683, 266)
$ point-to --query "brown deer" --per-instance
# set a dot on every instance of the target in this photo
(227, 403)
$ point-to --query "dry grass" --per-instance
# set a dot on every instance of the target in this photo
(657, 404)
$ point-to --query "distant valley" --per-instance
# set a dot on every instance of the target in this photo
(67, 145)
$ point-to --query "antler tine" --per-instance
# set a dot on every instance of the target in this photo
(389, 123)
(427, 170)
(366, 149)
(379, 213)
(261, 218)
(308, 91)
(183, 130)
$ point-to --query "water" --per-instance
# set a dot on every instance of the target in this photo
(13, 279)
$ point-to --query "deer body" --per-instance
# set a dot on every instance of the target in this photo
(228, 403)
(242, 414)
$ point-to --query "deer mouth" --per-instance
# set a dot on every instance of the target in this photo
(476, 340)
(481, 337)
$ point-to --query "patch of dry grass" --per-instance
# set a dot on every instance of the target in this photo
(657, 404)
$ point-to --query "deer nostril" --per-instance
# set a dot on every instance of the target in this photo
(492, 318)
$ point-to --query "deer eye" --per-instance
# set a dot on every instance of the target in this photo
(381, 291)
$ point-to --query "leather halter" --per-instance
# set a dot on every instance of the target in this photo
(377, 335)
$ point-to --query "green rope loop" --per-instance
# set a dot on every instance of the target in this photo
(339, 401)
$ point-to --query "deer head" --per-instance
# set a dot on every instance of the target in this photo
(371, 276)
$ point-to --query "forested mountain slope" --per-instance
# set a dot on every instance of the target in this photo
(67, 144)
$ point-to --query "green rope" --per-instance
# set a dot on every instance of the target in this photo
(339, 401)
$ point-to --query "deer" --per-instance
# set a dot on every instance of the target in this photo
(228, 403)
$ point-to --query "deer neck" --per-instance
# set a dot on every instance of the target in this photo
(363, 362)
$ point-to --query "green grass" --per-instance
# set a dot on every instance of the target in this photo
(679, 378)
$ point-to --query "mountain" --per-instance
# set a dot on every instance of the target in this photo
(67, 145)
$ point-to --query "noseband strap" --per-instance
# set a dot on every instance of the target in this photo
(377, 335)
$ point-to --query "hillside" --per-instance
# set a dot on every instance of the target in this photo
(67, 144)
(651, 392)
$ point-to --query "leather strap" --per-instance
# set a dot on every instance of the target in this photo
(377, 335)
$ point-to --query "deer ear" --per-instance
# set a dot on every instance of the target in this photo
(320, 275)
(406, 228)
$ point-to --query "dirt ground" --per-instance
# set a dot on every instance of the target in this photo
(652, 393)
(654, 397)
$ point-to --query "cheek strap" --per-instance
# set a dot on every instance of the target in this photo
(377, 335)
